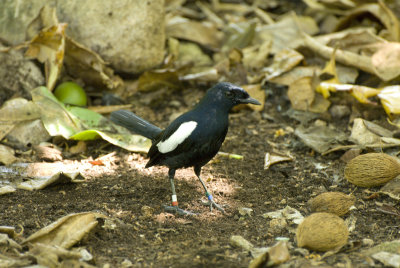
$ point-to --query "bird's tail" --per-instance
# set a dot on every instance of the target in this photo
(135, 124)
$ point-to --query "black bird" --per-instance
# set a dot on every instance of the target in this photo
(193, 138)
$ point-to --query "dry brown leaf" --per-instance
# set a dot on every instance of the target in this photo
(66, 231)
(284, 61)
(254, 57)
(301, 94)
(48, 47)
(274, 158)
(89, 66)
(381, 12)
(320, 104)
(286, 33)
(296, 73)
(198, 32)
(17, 110)
(153, 80)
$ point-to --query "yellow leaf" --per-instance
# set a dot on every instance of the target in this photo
(390, 99)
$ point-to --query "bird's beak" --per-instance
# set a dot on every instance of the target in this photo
(250, 100)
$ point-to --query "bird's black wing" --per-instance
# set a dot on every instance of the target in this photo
(197, 149)
(154, 154)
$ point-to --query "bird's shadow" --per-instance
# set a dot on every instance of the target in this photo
(151, 187)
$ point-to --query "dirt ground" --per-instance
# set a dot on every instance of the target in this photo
(147, 236)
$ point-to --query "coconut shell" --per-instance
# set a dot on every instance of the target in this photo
(373, 169)
(322, 232)
(332, 202)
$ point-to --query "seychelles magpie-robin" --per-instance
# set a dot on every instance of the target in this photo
(193, 138)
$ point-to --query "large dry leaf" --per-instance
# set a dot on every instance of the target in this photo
(18, 109)
(54, 256)
(361, 135)
(301, 94)
(67, 231)
(87, 65)
(238, 35)
(351, 39)
(392, 188)
(254, 57)
(287, 32)
(198, 32)
(379, 11)
(295, 74)
(284, 61)
(320, 138)
(36, 176)
(49, 47)
(153, 80)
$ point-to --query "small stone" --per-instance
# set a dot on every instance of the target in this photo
(245, 211)
(339, 111)
(368, 242)
(277, 225)
(126, 263)
(147, 211)
(320, 123)
(239, 241)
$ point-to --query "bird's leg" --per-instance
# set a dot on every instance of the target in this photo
(174, 208)
(211, 203)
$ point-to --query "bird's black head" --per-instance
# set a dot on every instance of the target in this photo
(228, 95)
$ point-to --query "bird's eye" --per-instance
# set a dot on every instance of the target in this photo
(228, 93)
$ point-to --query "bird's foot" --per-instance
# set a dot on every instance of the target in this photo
(179, 211)
(212, 204)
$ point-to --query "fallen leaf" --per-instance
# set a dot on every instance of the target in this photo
(275, 255)
(274, 158)
(390, 99)
(7, 155)
(82, 124)
(286, 32)
(392, 188)
(198, 32)
(49, 48)
(320, 138)
(18, 109)
(378, 10)
(66, 231)
(87, 65)
(284, 61)
(301, 93)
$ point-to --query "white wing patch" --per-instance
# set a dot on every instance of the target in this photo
(177, 137)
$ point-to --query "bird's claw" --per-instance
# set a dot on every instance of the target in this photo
(212, 204)
(179, 211)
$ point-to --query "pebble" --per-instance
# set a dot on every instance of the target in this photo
(368, 242)
(339, 111)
